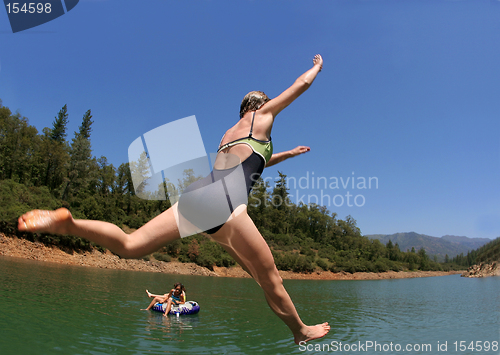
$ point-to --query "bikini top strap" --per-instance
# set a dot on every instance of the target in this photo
(251, 127)
(221, 140)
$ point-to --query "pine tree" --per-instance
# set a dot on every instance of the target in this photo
(80, 162)
(281, 206)
(58, 131)
(55, 150)
(105, 177)
(124, 188)
(141, 174)
(258, 200)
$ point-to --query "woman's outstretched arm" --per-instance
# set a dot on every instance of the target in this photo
(279, 157)
(300, 85)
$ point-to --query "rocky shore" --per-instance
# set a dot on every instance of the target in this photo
(22, 248)
(483, 270)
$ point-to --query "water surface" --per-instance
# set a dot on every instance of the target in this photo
(48, 308)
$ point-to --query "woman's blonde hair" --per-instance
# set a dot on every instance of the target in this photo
(253, 101)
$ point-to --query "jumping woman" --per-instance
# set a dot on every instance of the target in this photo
(246, 146)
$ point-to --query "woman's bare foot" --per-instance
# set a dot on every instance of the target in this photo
(45, 221)
(149, 294)
(312, 332)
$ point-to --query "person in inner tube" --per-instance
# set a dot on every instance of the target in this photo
(176, 296)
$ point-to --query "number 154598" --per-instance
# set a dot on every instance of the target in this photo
(30, 8)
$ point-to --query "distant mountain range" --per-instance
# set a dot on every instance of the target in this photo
(448, 244)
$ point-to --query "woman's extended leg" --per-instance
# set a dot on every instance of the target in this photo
(243, 241)
(152, 236)
(158, 299)
(151, 295)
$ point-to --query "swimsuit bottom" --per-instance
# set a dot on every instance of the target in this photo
(208, 203)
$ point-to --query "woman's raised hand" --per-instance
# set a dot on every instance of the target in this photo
(318, 60)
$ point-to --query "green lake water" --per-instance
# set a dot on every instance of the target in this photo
(48, 308)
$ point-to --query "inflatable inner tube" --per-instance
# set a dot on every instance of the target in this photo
(189, 307)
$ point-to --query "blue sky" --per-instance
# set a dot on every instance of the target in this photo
(408, 95)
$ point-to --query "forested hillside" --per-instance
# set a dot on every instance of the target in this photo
(486, 254)
(46, 171)
(444, 248)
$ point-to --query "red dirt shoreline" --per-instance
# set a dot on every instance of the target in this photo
(22, 248)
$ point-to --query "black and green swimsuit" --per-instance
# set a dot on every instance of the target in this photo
(260, 147)
(208, 203)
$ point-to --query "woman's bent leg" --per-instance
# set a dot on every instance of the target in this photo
(243, 241)
(153, 235)
(169, 306)
(158, 299)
